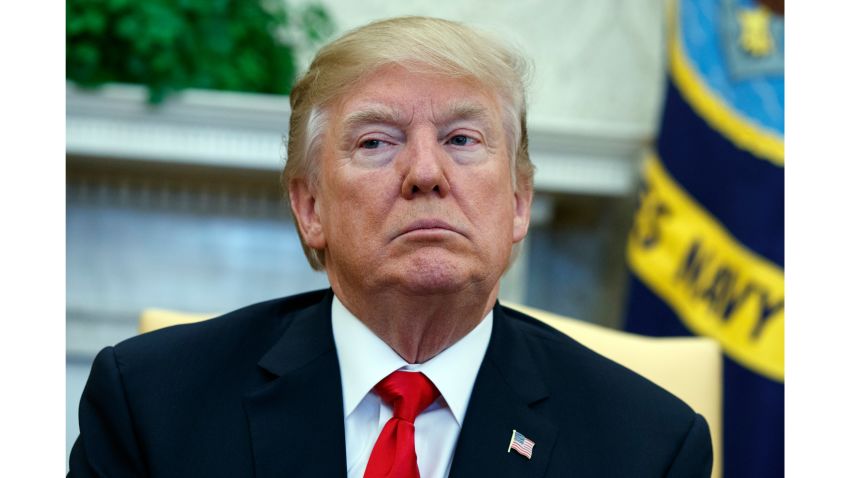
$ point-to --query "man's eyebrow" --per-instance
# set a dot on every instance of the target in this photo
(383, 114)
(466, 110)
(371, 115)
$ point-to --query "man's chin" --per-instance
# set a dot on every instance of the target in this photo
(430, 285)
(436, 276)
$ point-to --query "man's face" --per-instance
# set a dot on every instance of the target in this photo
(414, 189)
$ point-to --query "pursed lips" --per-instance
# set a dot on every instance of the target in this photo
(429, 224)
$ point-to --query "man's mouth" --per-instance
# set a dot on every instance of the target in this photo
(429, 226)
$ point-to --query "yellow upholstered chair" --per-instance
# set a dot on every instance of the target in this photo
(688, 367)
(152, 319)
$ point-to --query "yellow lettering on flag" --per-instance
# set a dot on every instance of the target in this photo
(717, 286)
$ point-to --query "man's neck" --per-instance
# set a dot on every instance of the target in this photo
(418, 327)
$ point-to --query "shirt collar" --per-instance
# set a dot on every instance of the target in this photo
(364, 359)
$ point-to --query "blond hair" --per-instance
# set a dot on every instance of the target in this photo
(424, 44)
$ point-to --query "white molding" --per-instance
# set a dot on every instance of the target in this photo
(242, 130)
(197, 127)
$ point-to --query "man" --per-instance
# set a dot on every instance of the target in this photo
(409, 179)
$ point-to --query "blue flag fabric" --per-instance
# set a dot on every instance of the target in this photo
(706, 251)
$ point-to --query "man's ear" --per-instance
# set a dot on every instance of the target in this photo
(305, 206)
(522, 212)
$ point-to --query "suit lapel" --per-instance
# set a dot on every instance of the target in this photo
(296, 418)
(506, 391)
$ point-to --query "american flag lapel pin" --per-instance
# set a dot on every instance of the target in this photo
(521, 444)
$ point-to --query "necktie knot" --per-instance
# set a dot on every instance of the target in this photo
(394, 453)
(408, 393)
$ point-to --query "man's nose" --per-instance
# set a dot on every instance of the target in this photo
(425, 163)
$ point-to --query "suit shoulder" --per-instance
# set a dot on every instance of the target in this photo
(247, 328)
(615, 383)
(605, 409)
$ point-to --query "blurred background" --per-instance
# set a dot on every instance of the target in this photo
(176, 113)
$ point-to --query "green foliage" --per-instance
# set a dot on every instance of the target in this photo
(169, 45)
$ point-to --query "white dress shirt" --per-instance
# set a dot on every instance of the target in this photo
(364, 359)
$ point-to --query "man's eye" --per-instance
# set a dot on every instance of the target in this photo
(371, 144)
(461, 140)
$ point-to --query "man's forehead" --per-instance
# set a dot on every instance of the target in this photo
(398, 91)
(372, 111)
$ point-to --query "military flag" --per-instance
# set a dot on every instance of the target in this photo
(706, 250)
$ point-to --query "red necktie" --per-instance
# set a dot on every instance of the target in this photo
(394, 454)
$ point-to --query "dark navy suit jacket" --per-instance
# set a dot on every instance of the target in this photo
(257, 393)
